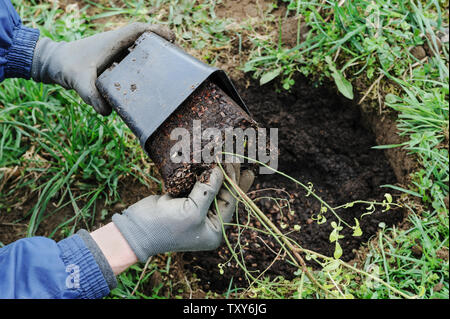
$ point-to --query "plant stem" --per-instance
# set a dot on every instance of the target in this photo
(298, 258)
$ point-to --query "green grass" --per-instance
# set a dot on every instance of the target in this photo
(58, 151)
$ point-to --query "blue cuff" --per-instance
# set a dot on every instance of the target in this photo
(20, 53)
(87, 276)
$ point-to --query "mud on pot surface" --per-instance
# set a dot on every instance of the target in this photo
(322, 140)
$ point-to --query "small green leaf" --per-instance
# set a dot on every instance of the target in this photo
(356, 229)
(391, 98)
(343, 85)
(333, 235)
(269, 76)
(221, 271)
(178, 19)
(388, 197)
(337, 251)
(331, 266)
(421, 291)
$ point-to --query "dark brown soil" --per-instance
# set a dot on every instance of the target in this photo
(322, 140)
(386, 132)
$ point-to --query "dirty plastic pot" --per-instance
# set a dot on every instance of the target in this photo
(158, 87)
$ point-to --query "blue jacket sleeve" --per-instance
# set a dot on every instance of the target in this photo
(17, 44)
(39, 267)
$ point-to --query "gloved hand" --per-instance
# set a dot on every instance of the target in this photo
(76, 65)
(159, 224)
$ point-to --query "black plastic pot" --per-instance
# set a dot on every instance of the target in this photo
(153, 80)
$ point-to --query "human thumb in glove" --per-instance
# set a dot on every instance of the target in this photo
(77, 64)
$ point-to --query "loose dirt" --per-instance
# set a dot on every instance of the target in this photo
(243, 9)
(322, 140)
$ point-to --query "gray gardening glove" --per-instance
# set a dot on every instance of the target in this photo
(159, 224)
(76, 65)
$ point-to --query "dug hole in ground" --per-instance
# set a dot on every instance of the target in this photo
(325, 140)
